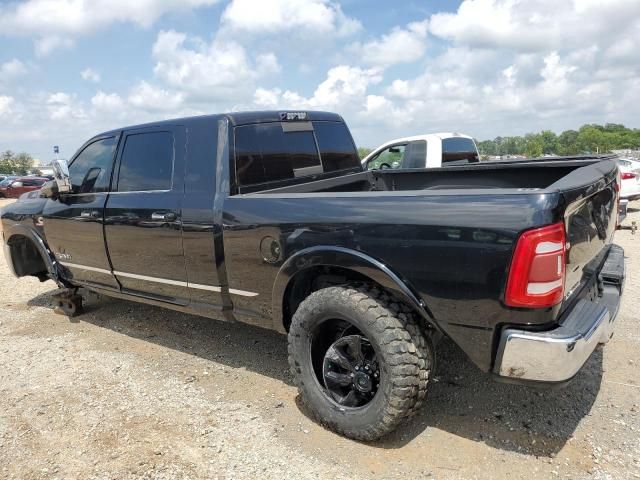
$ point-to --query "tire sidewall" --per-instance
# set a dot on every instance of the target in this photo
(305, 323)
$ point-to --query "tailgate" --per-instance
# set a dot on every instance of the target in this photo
(590, 222)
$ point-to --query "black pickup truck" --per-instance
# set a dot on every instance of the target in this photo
(267, 218)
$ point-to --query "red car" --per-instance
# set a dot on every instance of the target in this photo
(21, 185)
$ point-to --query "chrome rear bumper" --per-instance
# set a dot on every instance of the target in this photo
(557, 355)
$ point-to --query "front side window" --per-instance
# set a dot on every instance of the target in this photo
(146, 162)
(390, 157)
(459, 151)
(90, 171)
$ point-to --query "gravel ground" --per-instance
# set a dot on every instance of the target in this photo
(132, 391)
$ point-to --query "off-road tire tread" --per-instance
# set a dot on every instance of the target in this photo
(397, 332)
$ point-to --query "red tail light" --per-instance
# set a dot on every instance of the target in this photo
(627, 175)
(536, 276)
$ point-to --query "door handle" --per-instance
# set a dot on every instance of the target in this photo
(165, 217)
(90, 214)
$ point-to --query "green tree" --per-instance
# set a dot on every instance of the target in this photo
(591, 138)
(363, 152)
(549, 142)
(568, 143)
(23, 163)
(534, 146)
(488, 147)
(19, 164)
(6, 162)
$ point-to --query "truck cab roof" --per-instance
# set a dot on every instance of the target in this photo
(241, 118)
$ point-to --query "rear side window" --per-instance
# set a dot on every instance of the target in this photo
(458, 151)
(271, 152)
(336, 146)
(90, 171)
(146, 162)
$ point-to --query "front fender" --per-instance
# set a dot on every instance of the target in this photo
(347, 259)
(47, 255)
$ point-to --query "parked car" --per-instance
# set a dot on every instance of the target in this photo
(5, 183)
(424, 151)
(630, 163)
(20, 185)
(268, 218)
(630, 175)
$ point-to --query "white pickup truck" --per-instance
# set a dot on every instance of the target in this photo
(423, 151)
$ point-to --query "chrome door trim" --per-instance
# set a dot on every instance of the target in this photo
(167, 281)
(85, 267)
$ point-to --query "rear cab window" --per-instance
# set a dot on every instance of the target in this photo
(458, 151)
(278, 153)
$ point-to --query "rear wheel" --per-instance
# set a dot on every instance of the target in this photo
(360, 360)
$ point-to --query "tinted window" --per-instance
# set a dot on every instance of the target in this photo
(336, 146)
(266, 153)
(459, 151)
(415, 155)
(32, 182)
(146, 162)
(90, 171)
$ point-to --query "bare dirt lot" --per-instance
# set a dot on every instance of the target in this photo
(132, 391)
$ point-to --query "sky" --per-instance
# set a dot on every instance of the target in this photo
(70, 69)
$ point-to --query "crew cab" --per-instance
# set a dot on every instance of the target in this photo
(268, 218)
(423, 151)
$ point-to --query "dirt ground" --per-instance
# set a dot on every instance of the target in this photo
(132, 391)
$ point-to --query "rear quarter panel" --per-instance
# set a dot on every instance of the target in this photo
(452, 249)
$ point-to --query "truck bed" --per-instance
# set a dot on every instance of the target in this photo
(449, 232)
(539, 174)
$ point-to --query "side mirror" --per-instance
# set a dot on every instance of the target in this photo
(49, 189)
(16, 185)
(61, 175)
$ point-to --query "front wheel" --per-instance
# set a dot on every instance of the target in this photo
(360, 360)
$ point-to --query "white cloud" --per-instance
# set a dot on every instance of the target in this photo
(274, 16)
(5, 105)
(64, 107)
(48, 43)
(56, 22)
(90, 75)
(344, 89)
(535, 25)
(152, 98)
(110, 102)
(220, 70)
(12, 69)
(401, 45)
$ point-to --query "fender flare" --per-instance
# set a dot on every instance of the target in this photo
(347, 259)
(46, 254)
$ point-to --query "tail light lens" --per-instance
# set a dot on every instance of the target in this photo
(536, 276)
(627, 175)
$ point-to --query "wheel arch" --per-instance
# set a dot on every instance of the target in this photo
(25, 249)
(292, 281)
